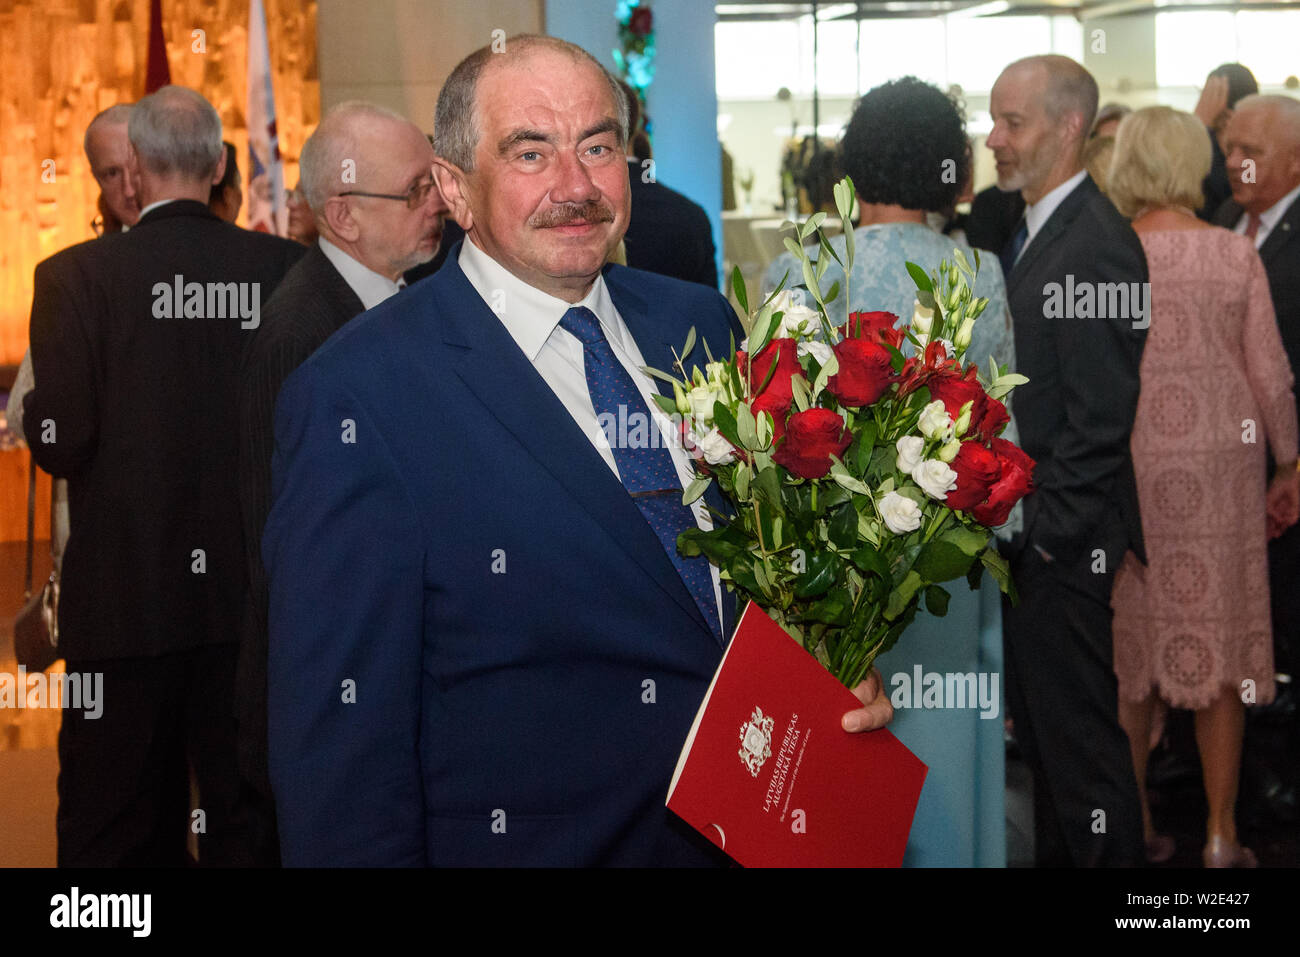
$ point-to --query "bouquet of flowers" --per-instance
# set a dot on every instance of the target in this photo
(861, 478)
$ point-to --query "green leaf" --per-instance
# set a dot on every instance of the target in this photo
(766, 335)
(835, 291)
(936, 601)
(942, 561)
(714, 545)
(823, 569)
(665, 402)
(696, 488)
(767, 482)
(738, 287)
(725, 423)
(846, 479)
(926, 298)
(833, 609)
(843, 527)
(745, 427)
(975, 573)
(962, 262)
(800, 391)
(922, 280)
(831, 367)
(660, 375)
(967, 539)
(1000, 570)
(830, 252)
(869, 559)
(690, 343)
(796, 250)
(902, 596)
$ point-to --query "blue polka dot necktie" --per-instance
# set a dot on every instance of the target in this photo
(646, 467)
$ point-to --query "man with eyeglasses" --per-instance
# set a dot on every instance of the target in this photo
(366, 174)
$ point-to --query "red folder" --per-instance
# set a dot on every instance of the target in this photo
(770, 776)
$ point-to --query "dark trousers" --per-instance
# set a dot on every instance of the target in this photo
(124, 796)
(1063, 697)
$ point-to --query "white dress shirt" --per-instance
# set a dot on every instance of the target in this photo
(532, 318)
(371, 288)
(1040, 212)
(1268, 219)
(152, 206)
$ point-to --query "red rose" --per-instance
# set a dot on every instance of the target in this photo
(977, 469)
(641, 21)
(864, 372)
(1015, 482)
(874, 327)
(777, 394)
(811, 438)
(955, 391)
(919, 370)
(994, 421)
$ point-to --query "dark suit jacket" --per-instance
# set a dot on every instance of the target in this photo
(469, 615)
(146, 430)
(1281, 256)
(668, 233)
(993, 218)
(1076, 412)
(310, 305)
(1215, 186)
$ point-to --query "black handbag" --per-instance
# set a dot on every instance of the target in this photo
(36, 629)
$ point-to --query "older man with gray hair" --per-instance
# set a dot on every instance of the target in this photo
(367, 175)
(1262, 142)
(136, 340)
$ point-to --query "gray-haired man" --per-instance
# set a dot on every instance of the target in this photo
(136, 341)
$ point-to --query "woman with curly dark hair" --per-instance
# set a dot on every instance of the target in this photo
(906, 150)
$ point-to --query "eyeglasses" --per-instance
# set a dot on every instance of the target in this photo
(414, 197)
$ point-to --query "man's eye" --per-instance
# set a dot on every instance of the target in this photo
(599, 150)
(530, 155)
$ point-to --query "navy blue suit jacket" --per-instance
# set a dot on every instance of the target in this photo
(479, 652)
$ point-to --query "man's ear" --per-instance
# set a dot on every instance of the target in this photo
(337, 214)
(453, 184)
(131, 173)
(220, 173)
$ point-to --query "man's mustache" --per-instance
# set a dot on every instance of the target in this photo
(572, 214)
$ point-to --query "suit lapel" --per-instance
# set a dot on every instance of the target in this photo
(1286, 230)
(497, 372)
(343, 300)
(1056, 224)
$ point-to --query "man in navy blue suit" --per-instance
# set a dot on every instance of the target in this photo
(483, 649)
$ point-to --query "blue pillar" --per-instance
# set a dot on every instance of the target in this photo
(682, 101)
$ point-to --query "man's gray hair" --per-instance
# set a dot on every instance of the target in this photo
(1285, 112)
(117, 114)
(455, 130)
(176, 132)
(337, 139)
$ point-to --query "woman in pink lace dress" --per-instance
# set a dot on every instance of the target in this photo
(1193, 626)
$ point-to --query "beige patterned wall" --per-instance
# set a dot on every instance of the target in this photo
(62, 61)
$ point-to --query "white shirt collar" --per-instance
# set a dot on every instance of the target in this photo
(154, 205)
(371, 288)
(530, 315)
(1040, 212)
(1269, 217)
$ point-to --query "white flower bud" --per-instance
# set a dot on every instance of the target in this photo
(949, 450)
(921, 319)
(962, 339)
(963, 420)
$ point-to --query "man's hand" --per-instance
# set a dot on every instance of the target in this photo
(1282, 503)
(1213, 102)
(876, 711)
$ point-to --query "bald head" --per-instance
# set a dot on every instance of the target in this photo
(1262, 144)
(1043, 108)
(347, 146)
(176, 133)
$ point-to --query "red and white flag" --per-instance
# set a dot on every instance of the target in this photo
(267, 211)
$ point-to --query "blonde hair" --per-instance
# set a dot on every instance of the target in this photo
(1097, 156)
(1161, 157)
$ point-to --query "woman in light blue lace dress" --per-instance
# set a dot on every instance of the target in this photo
(906, 151)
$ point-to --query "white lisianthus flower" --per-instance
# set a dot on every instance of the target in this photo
(702, 398)
(922, 318)
(909, 453)
(935, 422)
(962, 339)
(935, 478)
(715, 448)
(901, 514)
(818, 350)
(797, 320)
